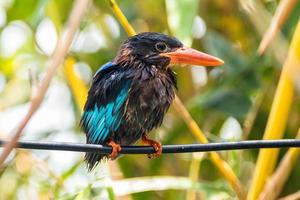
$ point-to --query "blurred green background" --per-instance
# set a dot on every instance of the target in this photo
(230, 103)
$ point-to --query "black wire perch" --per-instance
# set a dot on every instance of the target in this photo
(188, 148)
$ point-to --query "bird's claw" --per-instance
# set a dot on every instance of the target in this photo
(116, 148)
(156, 146)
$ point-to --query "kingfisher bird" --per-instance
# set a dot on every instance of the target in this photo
(130, 95)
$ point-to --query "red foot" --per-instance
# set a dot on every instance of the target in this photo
(116, 148)
(155, 144)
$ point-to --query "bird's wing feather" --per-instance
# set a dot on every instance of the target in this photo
(104, 108)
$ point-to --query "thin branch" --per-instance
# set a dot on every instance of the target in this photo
(282, 12)
(188, 148)
(294, 196)
(261, 18)
(60, 52)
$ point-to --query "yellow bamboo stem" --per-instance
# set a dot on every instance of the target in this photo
(278, 117)
(121, 17)
(276, 182)
(223, 166)
(77, 86)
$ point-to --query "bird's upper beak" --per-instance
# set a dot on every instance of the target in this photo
(187, 55)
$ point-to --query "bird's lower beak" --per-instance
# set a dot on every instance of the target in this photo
(187, 55)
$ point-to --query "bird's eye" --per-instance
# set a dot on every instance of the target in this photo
(161, 47)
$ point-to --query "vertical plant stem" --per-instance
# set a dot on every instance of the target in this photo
(278, 116)
(276, 182)
(60, 52)
(224, 167)
(77, 86)
(121, 17)
(252, 114)
(194, 174)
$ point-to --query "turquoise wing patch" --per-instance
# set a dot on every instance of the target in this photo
(102, 120)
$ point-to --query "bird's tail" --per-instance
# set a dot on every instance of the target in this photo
(93, 159)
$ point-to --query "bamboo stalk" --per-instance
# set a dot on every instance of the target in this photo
(278, 116)
(60, 52)
(282, 12)
(223, 166)
(121, 17)
(77, 86)
(276, 182)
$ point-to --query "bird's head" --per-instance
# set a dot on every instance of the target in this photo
(160, 50)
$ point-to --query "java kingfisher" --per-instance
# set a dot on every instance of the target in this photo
(130, 95)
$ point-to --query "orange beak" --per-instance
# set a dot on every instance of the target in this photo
(187, 55)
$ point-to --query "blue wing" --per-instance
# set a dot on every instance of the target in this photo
(104, 67)
(105, 105)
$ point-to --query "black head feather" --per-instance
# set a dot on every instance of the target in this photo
(146, 48)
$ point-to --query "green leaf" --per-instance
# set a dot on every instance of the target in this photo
(111, 194)
(219, 46)
(230, 102)
(58, 11)
(84, 194)
(70, 171)
(22, 9)
(181, 15)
